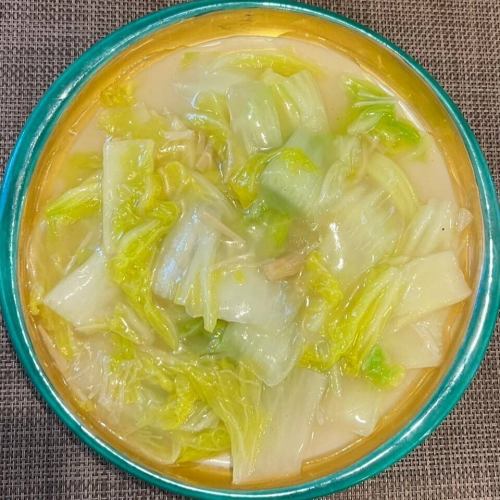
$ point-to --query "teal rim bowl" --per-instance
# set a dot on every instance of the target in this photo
(15, 185)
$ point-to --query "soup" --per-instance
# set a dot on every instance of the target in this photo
(251, 253)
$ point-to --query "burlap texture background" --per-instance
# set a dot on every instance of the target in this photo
(458, 41)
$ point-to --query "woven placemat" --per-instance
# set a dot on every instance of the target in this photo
(457, 41)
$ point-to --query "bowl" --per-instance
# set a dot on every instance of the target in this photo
(193, 23)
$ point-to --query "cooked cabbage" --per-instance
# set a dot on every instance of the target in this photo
(87, 295)
(245, 275)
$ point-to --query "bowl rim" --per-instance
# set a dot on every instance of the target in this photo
(22, 163)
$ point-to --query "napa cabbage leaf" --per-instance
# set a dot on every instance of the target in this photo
(391, 178)
(210, 116)
(387, 297)
(298, 101)
(235, 395)
(185, 146)
(282, 63)
(254, 119)
(195, 339)
(154, 398)
(136, 219)
(419, 344)
(135, 121)
(353, 330)
(270, 353)
(345, 168)
(175, 177)
(320, 148)
(246, 296)
(75, 204)
(125, 323)
(184, 274)
(434, 227)
(210, 442)
(362, 230)
(269, 228)
(58, 330)
(282, 166)
(323, 296)
(373, 112)
(291, 409)
(87, 295)
(245, 183)
(353, 405)
(132, 267)
(431, 283)
(130, 187)
(368, 314)
(188, 273)
(379, 370)
(291, 182)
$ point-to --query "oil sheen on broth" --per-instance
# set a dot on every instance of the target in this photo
(249, 257)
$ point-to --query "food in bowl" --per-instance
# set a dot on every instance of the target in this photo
(250, 254)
